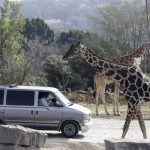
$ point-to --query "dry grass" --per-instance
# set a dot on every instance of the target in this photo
(122, 108)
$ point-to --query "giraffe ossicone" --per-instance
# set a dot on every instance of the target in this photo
(136, 88)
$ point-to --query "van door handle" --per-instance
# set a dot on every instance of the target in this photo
(36, 113)
(31, 112)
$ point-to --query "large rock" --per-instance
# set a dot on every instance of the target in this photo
(16, 147)
(125, 144)
(18, 135)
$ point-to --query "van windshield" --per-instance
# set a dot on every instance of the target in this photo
(65, 100)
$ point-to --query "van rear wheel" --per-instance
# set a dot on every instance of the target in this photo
(69, 129)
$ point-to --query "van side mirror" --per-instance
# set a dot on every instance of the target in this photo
(58, 104)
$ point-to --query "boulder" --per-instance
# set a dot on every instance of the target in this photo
(126, 144)
(16, 147)
(18, 135)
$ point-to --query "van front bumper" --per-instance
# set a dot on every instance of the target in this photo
(85, 126)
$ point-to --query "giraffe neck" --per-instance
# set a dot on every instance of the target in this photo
(129, 59)
(115, 71)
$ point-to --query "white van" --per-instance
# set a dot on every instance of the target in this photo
(21, 105)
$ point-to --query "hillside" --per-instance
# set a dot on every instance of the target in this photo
(63, 14)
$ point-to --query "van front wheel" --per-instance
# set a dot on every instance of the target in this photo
(69, 129)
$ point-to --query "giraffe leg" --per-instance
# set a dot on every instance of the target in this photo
(97, 90)
(115, 98)
(126, 125)
(130, 115)
(141, 122)
(97, 95)
(114, 106)
(117, 104)
(114, 102)
(117, 89)
(103, 98)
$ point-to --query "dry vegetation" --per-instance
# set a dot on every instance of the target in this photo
(91, 104)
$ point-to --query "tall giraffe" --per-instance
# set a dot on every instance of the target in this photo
(100, 81)
(136, 87)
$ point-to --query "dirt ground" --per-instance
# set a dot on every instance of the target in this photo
(103, 127)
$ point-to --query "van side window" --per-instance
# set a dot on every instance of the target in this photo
(1, 96)
(25, 98)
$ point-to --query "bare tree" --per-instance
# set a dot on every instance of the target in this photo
(147, 14)
(122, 24)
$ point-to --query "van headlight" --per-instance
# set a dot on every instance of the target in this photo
(86, 118)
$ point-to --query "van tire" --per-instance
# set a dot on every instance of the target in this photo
(70, 129)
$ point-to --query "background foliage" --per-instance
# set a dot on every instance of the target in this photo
(31, 51)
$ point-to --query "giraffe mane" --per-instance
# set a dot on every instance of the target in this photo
(144, 46)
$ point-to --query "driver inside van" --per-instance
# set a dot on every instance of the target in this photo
(43, 99)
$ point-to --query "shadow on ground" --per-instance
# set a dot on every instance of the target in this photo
(59, 135)
(56, 141)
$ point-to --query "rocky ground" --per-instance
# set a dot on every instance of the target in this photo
(104, 127)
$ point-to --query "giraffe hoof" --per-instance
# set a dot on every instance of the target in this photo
(118, 114)
(108, 114)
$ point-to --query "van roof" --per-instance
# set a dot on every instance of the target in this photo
(30, 88)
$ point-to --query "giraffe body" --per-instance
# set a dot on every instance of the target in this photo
(100, 81)
(136, 87)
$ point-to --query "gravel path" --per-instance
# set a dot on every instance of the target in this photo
(102, 128)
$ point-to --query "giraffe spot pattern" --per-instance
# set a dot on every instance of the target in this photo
(117, 77)
(105, 65)
(110, 72)
(146, 99)
(133, 101)
(141, 92)
(90, 60)
(101, 63)
(94, 58)
(126, 83)
(135, 94)
(132, 78)
(132, 70)
(145, 86)
(127, 97)
(129, 93)
(139, 74)
(122, 72)
(100, 69)
(138, 82)
(132, 87)
(111, 66)
(149, 89)
(86, 54)
(147, 94)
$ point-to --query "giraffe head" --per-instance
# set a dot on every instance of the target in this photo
(146, 48)
(137, 61)
(74, 51)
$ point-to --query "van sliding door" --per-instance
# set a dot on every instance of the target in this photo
(19, 107)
